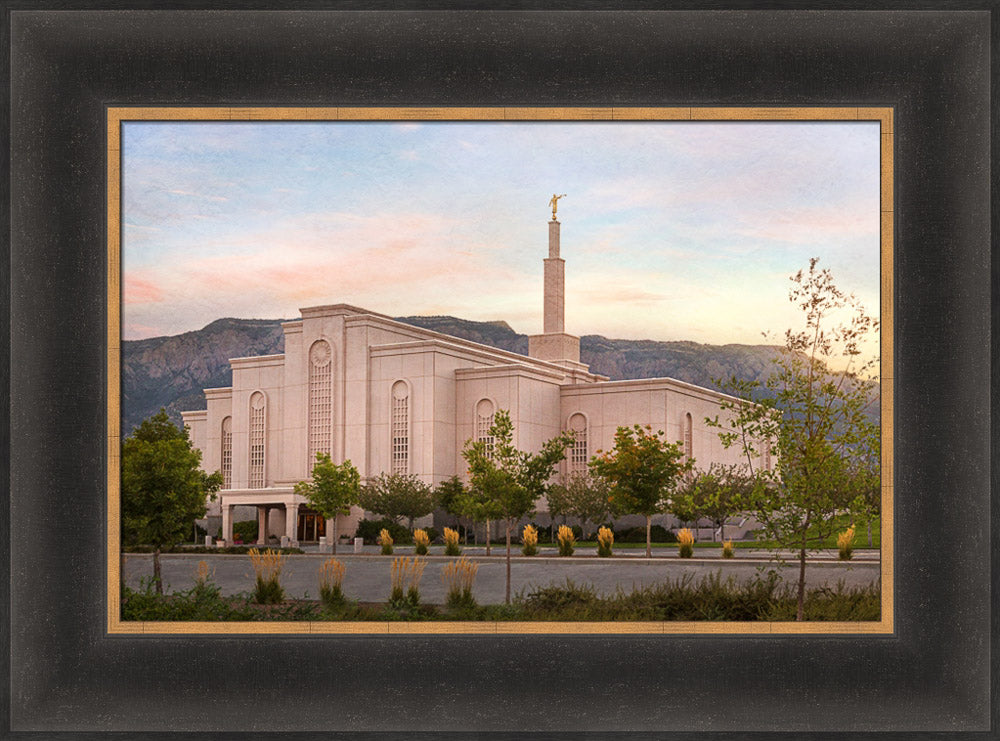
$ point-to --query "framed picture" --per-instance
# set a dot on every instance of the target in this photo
(73, 668)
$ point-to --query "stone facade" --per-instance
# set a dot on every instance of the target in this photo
(390, 397)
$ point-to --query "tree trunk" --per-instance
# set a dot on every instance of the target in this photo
(507, 590)
(156, 570)
(649, 529)
(722, 531)
(334, 536)
(800, 615)
(489, 552)
(869, 532)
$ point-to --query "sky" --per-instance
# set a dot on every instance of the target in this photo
(670, 230)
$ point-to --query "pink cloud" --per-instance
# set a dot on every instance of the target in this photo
(139, 290)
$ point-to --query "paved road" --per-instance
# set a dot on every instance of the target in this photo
(367, 576)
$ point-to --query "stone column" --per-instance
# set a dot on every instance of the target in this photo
(554, 316)
(227, 523)
(261, 524)
(292, 523)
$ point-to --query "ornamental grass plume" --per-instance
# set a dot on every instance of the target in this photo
(385, 540)
(267, 566)
(566, 540)
(459, 577)
(529, 540)
(331, 580)
(202, 574)
(685, 543)
(420, 542)
(605, 540)
(405, 574)
(845, 543)
(727, 549)
(451, 542)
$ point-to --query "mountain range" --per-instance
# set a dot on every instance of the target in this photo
(170, 372)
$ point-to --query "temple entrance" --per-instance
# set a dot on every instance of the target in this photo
(312, 526)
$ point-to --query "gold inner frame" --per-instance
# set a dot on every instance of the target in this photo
(117, 116)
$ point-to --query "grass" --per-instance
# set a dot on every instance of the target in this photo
(713, 598)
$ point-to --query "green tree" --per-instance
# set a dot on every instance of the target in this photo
(815, 420)
(586, 497)
(398, 495)
(163, 487)
(716, 494)
(512, 480)
(642, 469)
(448, 496)
(477, 504)
(332, 490)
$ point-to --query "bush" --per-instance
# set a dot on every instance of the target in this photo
(451, 542)
(385, 540)
(420, 542)
(459, 577)
(660, 534)
(529, 540)
(727, 549)
(566, 540)
(432, 534)
(331, 580)
(245, 531)
(267, 566)
(406, 573)
(370, 530)
(685, 540)
(605, 539)
(845, 543)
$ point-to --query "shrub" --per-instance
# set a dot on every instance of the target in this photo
(267, 566)
(845, 543)
(420, 541)
(370, 530)
(451, 542)
(385, 540)
(331, 580)
(406, 573)
(432, 534)
(685, 541)
(566, 540)
(459, 577)
(245, 531)
(727, 549)
(657, 534)
(605, 539)
(529, 540)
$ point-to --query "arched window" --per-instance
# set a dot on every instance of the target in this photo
(484, 421)
(227, 453)
(688, 436)
(320, 400)
(257, 409)
(400, 427)
(578, 453)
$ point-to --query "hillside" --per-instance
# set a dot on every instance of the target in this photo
(171, 372)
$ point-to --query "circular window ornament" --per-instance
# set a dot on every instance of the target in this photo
(257, 400)
(320, 353)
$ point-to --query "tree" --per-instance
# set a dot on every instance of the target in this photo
(642, 470)
(582, 496)
(163, 487)
(398, 495)
(332, 490)
(512, 480)
(815, 419)
(716, 494)
(448, 496)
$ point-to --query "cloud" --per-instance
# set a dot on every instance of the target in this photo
(140, 290)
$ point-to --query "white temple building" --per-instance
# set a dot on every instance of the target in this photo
(394, 398)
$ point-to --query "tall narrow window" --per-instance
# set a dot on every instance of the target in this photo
(257, 440)
(400, 427)
(578, 453)
(766, 455)
(688, 436)
(484, 421)
(320, 400)
(227, 453)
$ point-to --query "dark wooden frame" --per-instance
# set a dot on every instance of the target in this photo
(932, 678)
